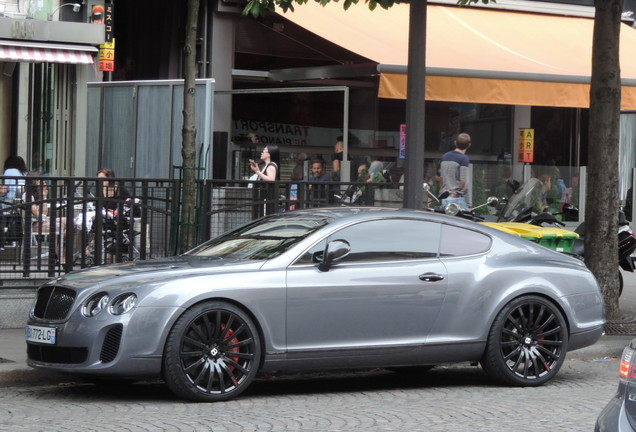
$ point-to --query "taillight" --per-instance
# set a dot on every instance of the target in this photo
(627, 369)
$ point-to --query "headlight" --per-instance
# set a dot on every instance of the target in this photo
(95, 304)
(123, 304)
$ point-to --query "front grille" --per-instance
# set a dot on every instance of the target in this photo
(53, 303)
(111, 344)
(51, 354)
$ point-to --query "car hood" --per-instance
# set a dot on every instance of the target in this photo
(155, 269)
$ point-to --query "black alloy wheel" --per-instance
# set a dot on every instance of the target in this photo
(527, 343)
(212, 353)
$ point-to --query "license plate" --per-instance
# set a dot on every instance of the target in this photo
(45, 335)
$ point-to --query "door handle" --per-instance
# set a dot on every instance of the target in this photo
(431, 277)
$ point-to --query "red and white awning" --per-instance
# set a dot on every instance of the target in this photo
(36, 53)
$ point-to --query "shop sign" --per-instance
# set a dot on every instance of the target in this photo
(402, 141)
(109, 18)
(526, 145)
(107, 56)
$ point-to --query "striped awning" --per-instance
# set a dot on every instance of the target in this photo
(35, 53)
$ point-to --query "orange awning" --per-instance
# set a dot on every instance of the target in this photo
(482, 55)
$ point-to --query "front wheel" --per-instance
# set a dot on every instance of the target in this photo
(212, 353)
(527, 342)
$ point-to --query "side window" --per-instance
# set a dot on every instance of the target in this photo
(384, 240)
(458, 241)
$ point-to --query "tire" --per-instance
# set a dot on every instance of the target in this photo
(212, 354)
(527, 343)
(620, 283)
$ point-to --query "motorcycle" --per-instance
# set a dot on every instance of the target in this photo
(453, 209)
(522, 207)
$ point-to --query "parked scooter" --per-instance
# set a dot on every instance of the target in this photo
(522, 207)
(454, 209)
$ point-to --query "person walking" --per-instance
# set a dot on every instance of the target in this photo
(454, 170)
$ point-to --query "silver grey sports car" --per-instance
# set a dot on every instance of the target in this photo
(323, 289)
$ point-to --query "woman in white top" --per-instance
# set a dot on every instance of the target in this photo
(270, 157)
(14, 166)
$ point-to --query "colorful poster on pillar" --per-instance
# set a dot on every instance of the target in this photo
(97, 14)
(526, 145)
(107, 56)
(402, 141)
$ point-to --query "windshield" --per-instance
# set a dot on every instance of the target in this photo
(523, 202)
(264, 239)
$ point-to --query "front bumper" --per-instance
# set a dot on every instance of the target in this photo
(130, 345)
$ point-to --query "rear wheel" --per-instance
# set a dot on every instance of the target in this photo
(527, 342)
(212, 353)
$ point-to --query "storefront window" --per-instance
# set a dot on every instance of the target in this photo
(560, 136)
(51, 117)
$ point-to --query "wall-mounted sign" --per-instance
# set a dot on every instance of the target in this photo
(107, 56)
(526, 145)
(97, 14)
(109, 21)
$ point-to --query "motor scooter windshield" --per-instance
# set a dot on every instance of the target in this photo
(521, 204)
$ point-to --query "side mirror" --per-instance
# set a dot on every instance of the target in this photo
(334, 251)
(443, 195)
(542, 218)
(570, 209)
(492, 201)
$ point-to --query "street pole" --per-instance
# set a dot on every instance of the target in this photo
(415, 106)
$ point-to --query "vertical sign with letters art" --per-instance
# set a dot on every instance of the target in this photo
(526, 145)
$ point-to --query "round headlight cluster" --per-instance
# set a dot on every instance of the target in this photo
(95, 304)
(123, 304)
(100, 301)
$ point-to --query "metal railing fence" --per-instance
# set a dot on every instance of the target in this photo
(51, 225)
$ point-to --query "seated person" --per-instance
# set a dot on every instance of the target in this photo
(318, 174)
(42, 222)
(115, 223)
(112, 190)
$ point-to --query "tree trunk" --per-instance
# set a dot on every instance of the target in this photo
(601, 216)
(189, 131)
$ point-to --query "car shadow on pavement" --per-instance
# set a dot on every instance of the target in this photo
(62, 386)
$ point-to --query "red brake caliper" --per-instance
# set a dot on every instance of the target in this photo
(229, 333)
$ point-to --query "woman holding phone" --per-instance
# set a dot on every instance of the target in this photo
(270, 157)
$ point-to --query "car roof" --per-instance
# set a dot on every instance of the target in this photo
(349, 214)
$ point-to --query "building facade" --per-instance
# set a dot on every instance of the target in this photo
(48, 52)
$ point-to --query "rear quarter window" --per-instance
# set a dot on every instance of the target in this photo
(456, 241)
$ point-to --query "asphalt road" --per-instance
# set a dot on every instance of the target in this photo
(447, 398)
